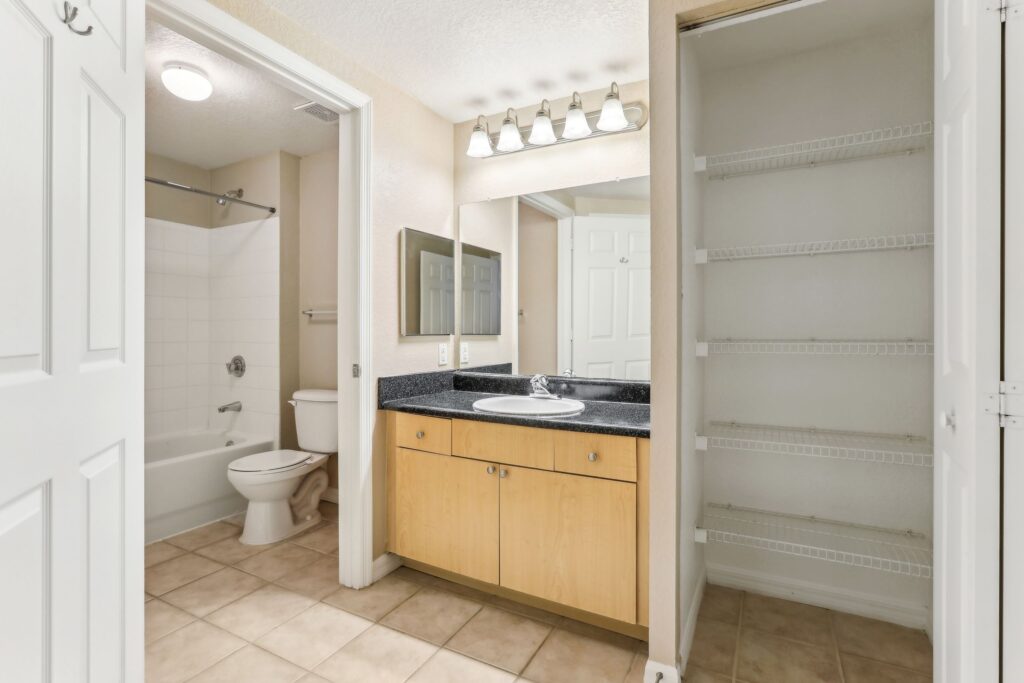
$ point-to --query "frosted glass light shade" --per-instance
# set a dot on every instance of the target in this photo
(479, 144)
(542, 133)
(187, 83)
(612, 117)
(576, 125)
(510, 139)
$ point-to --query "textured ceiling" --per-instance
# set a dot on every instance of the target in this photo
(467, 57)
(247, 115)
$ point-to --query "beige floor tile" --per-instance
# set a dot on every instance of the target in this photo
(260, 612)
(329, 511)
(636, 669)
(449, 667)
(237, 520)
(765, 658)
(204, 535)
(788, 619)
(187, 651)
(274, 563)
(317, 581)
(697, 675)
(598, 633)
(459, 589)
(232, 551)
(500, 638)
(860, 670)
(374, 601)
(380, 655)
(162, 619)
(534, 613)
(432, 615)
(251, 665)
(313, 678)
(212, 592)
(721, 604)
(167, 576)
(161, 552)
(323, 539)
(566, 656)
(883, 641)
(412, 575)
(314, 635)
(714, 646)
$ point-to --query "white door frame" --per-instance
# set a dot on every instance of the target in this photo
(223, 33)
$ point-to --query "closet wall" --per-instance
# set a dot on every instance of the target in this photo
(813, 340)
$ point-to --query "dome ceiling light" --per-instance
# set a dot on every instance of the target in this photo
(186, 82)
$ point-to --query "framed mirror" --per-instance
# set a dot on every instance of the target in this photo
(428, 284)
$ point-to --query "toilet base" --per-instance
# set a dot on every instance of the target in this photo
(271, 521)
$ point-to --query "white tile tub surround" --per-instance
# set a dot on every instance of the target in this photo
(211, 294)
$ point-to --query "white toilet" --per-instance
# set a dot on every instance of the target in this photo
(283, 487)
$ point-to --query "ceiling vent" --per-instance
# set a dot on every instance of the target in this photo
(319, 111)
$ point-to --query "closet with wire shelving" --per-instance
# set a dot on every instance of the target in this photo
(806, 228)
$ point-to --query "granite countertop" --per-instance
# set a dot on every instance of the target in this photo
(600, 417)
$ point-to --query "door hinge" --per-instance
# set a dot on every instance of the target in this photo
(355, 370)
(1006, 8)
(1008, 404)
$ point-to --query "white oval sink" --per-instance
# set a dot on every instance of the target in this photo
(526, 405)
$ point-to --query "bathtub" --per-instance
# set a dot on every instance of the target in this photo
(187, 482)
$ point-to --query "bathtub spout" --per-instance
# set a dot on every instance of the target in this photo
(234, 407)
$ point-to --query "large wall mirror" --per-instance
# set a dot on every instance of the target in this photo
(428, 283)
(576, 267)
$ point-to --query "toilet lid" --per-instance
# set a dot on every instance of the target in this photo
(269, 461)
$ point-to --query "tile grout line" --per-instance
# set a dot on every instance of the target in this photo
(835, 645)
(739, 631)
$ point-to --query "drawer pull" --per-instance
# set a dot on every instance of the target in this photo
(420, 435)
(490, 469)
(592, 456)
(502, 473)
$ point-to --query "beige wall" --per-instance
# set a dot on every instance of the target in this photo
(176, 205)
(412, 185)
(538, 292)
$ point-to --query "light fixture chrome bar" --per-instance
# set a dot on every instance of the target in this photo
(636, 114)
(196, 190)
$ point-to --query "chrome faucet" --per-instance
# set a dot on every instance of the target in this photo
(234, 407)
(539, 387)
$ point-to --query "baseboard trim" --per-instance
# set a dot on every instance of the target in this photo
(384, 565)
(669, 674)
(690, 625)
(853, 602)
(330, 494)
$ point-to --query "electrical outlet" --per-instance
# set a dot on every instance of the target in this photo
(463, 352)
(442, 353)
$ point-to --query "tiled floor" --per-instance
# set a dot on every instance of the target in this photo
(219, 611)
(747, 638)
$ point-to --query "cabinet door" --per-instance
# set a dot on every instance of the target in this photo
(446, 513)
(570, 539)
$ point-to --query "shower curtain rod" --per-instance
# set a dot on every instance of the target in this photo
(187, 188)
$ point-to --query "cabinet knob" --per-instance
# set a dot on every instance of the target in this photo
(592, 456)
(502, 473)
(420, 435)
(490, 469)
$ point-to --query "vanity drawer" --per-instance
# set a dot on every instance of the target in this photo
(596, 455)
(422, 433)
(507, 444)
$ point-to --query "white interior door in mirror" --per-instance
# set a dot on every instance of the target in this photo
(611, 297)
(481, 293)
(437, 293)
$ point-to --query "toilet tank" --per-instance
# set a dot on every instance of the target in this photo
(316, 419)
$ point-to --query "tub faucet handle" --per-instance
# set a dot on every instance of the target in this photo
(236, 367)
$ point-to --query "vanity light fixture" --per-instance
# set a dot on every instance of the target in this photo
(576, 125)
(480, 140)
(510, 139)
(186, 82)
(613, 118)
(542, 132)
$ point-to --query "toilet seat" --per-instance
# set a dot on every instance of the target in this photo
(271, 461)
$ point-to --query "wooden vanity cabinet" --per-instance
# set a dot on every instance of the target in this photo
(561, 516)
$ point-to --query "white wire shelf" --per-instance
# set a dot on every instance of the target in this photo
(887, 449)
(816, 347)
(859, 145)
(900, 552)
(915, 240)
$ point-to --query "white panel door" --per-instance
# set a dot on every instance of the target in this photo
(71, 281)
(1013, 351)
(611, 297)
(437, 293)
(967, 320)
(481, 295)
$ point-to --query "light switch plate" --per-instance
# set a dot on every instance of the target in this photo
(442, 353)
(464, 352)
